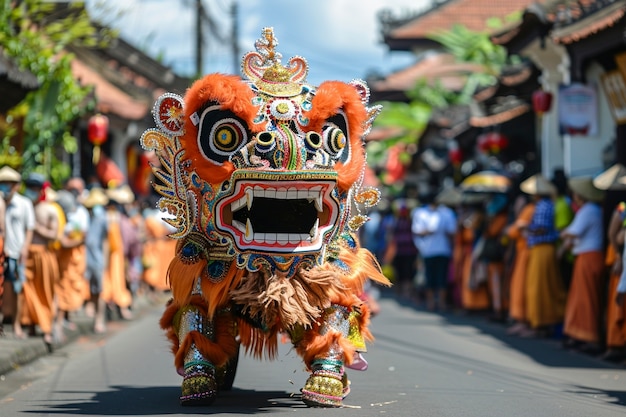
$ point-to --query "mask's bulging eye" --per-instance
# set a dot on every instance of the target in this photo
(227, 138)
(221, 134)
(334, 141)
(313, 141)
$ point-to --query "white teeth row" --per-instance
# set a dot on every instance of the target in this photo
(312, 194)
(281, 238)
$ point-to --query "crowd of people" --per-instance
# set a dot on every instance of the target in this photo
(544, 257)
(82, 248)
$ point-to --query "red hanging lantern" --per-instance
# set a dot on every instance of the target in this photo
(455, 155)
(97, 133)
(542, 101)
(483, 141)
(492, 142)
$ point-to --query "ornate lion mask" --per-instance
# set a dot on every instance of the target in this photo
(266, 172)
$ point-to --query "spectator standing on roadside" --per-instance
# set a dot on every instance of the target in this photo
(42, 267)
(545, 292)
(130, 225)
(72, 289)
(516, 231)
(496, 211)
(404, 253)
(158, 250)
(19, 224)
(115, 291)
(611, 181)
(433, 229)
(585, 235)
(96, 244)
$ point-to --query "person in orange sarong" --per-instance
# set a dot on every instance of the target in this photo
(517, 290)
(544, 294)
(72, 289)
(586, 238)
(495, 224)
(158, 251)
(615, 313)
(115, 288)
(42, 267)
(474, 291)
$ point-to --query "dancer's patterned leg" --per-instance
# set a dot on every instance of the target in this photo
(328, 385)
(199, 385)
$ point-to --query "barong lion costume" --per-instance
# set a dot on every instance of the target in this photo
(263, 182)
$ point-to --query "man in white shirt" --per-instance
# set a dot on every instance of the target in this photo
(433, 228)
(19, 224)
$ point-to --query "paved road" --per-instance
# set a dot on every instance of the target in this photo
(421, 364)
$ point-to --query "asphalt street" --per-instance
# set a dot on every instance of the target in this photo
(421, 364)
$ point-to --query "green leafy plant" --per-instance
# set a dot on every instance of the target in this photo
(36, 34)
(467, 46)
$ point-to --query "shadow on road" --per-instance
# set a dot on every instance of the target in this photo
(124, 400)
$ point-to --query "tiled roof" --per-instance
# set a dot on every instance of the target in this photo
(110, 99)
(472, 14)
(566, 21)
(441, 67)
(578, 19)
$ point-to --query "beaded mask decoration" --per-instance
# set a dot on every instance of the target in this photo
(267, 172)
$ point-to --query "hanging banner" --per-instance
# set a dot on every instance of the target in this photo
(615, 89)
(578, 110)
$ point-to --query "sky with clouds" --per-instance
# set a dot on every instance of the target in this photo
(340, 39)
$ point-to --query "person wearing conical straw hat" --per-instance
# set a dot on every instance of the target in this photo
(97, 244)
(610, 182)
(585, 235)
(116, 289)
(19, 226)
(42, 266)
(469, 275)
(72, 289)
(516, 232)
(544, 292)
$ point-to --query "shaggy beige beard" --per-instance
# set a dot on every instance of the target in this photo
(276, 298)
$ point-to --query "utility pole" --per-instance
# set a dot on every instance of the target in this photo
(199, 57)
(235, 37)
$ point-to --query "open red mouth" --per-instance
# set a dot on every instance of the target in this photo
(279, 212)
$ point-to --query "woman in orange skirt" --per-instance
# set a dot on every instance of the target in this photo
(158, 251)
(544, 291)
(615, 313)
(585, 236)
(474, 292)
(115, 289)
(72, 290)
(517, 291)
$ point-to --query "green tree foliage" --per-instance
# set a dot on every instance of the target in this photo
(476, 48)
(467, 47)
(36, 34)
